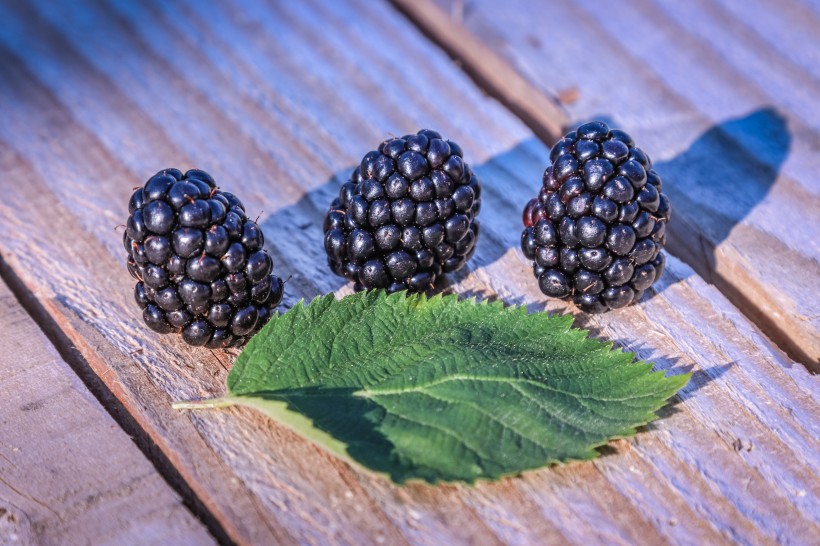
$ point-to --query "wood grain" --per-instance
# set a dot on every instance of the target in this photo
(723, 98)
(279, 101)
(68, 474)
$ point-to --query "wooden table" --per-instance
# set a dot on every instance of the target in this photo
(279, 100)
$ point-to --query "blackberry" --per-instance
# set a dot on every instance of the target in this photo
(596, 230)
(406, 216)
(199, 261)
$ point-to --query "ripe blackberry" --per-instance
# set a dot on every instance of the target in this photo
(596, 230)
(199, 261)
(406, 215)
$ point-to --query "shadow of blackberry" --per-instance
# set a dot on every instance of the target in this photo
(295, 240)
(727, 171)
(295, 236)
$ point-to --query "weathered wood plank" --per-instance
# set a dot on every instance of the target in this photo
(68, 474)
(723, 97)
(279, 103)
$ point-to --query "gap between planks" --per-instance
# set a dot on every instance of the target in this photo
(69, 352)
(489, 71)
(68, 473)
(544, 116)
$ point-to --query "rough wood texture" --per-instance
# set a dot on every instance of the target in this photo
(68, 474)
(724, 98)
(279, 102)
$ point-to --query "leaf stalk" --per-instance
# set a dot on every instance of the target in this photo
(202, 403)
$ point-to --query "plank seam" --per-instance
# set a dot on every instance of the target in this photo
(77, 362)
(492, 74)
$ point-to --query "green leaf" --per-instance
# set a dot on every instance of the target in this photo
(440, 389)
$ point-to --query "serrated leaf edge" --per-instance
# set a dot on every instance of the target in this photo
(306, 428)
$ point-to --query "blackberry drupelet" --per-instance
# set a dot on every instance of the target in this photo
(406, 216)
(596, 230)
(199, 261)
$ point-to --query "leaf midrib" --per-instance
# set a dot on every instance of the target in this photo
(369, 392)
